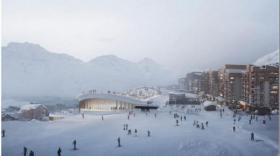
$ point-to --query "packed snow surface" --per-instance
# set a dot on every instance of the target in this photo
(99, 137)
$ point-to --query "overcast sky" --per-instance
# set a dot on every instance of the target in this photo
(184, 35)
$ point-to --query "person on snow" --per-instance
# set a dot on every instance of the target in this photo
(128, 117)
(83, 115)
(202, 126)
(233, 128)
(155, 115)
(234, 120)
(149, 133)
(252, 136)
(31, 153)
(102, 117)
(24, 151)
(264, 122)
(206, 123)
(124, 127)
(3, 132)
(129, 132)
(250, 121)
(135, 131)
(181, 118)
(185, 118)
(194, 122)
(75, 143)
(119, 142)
(177, 122)
(59, 152)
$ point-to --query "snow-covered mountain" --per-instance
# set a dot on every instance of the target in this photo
(30, 70)
(269, 59)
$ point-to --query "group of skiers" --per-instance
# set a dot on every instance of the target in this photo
(175, 115)
(197, 125)
(31, 153)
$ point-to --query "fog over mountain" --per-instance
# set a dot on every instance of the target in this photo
(30, 70)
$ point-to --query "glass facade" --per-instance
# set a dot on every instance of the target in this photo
(104, 105)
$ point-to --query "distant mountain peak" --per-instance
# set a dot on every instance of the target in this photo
(147, 60)
(24, 45)
(268, 59)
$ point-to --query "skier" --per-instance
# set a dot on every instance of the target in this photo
(135, 131)
(252, 136)
(155, 115)
(119, 142)
(269, 116)
(206, 123)
(102, 117)
(59, 152)
(197, 125)
(129, 132)
(185, 118)
(194, 122)
(177, 122)
(202, 126)
(31, 153)
(24, 151)
(233, 128)
(234, 121)
(74, 143)
(250, 121)
(126, 126)
(264, 122)
(149, 133)
(181, 118)
(83, 115)
(128, 117)
(3, 133)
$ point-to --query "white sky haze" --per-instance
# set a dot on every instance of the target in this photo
(181, 34)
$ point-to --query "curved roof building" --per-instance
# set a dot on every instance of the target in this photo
(93, 101)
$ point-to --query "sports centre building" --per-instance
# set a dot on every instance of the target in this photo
(92, 101)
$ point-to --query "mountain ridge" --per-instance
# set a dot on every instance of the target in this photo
(31, 70)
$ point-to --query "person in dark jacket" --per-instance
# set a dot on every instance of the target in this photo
(59, 152)
(75, 143)
(24, 151)
(119, 142)
(3, 133)
(233, 128)
(206, 123)
(149, 133)
(31, 153)
(252, 136)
